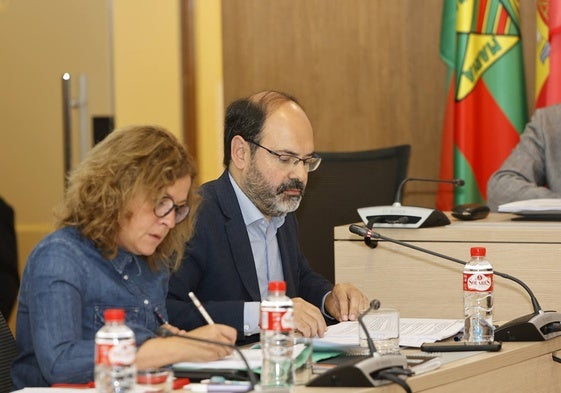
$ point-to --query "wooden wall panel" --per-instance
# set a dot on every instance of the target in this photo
(368, 72)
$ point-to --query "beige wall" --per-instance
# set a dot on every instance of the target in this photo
(148, 80)
(147, 61)
(39, 41)
(210, 87)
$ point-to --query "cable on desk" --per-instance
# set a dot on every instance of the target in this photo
(393, 375)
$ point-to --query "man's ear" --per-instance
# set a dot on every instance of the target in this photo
(240, 152)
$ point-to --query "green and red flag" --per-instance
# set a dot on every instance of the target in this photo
(486, 99)
(548, 53)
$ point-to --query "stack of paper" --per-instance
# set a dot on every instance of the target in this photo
(234, 361)
(253, 355)
(412, 333)
(344, 335)
(533, 207)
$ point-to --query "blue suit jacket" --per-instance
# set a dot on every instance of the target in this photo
(218, 265)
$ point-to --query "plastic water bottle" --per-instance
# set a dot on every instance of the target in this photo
(478, 298)
(115, 354)
(277, 337)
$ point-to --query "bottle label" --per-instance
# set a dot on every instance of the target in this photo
(122, 354)
(277, 320)
(478, 282)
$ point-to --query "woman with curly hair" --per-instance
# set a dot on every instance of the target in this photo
(127, 214)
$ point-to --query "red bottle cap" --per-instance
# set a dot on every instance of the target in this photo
(277, 286)
(478, 251)
(114, 314)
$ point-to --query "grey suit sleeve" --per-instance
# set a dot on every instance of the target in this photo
(532, 170)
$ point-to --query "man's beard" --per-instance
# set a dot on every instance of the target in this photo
(272, 202)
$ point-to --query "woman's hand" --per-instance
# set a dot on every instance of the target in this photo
(160, 351)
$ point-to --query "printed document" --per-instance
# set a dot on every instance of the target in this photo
(533, 206)
(412, 333)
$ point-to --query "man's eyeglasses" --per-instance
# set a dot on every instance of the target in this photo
(166, 205)
(310, 163)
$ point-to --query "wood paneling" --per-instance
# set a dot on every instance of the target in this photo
(188, 76)
(368, 72)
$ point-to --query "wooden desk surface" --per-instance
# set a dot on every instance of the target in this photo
(518, 367)
(424, 286)
(497, 227)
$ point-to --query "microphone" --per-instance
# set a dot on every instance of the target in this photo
(374, 305)
(397, 216)
(537, 326)
(373, 370)
(163, 332)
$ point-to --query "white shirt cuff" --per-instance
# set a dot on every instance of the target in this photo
(325, 314)
(251, 318)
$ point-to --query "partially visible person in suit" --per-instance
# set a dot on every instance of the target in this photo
(533, 169)
(9, 275)
(246, 233)
(127, 213)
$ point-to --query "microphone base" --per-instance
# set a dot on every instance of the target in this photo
(359, 373)
(531, 327)
(402, 217)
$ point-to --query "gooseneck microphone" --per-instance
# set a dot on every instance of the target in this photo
(367, 233)
(374, 370)
(374, 305)
(397, 200)
(538, 326)
(163, 332)
(398, 216)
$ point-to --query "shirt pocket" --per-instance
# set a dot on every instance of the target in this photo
(132, 315)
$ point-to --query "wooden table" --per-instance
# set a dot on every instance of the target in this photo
(422, 285)
(518, 367)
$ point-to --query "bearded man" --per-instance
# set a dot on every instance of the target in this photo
(246, 233)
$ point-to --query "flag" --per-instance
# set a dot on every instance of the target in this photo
(486, 99)
(548, 53)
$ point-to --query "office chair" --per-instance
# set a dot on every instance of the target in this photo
(8, 352)
(344, 182)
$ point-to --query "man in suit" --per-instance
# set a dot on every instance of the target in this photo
(531, 171)
(246, 232)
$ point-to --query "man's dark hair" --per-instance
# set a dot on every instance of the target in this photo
(245, 117)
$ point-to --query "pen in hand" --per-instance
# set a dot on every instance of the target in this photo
(201, 309)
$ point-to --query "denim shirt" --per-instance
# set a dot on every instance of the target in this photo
(66, 286)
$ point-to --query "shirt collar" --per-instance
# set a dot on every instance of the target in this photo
(123, 259)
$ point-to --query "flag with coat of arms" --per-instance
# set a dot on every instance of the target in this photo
(548, 53)
(486, 98)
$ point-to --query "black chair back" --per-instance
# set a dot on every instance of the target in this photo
(344, 182)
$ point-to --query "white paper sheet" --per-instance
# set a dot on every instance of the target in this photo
(412, 332)
(533, 206)
(254, 357)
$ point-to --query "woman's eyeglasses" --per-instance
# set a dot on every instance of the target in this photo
(166, 205)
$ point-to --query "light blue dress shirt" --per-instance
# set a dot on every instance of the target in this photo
(266, 254)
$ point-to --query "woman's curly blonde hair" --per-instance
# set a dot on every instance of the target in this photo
(136, 159)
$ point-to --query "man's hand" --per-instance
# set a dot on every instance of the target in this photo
(308, 319)
(345, 302)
